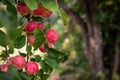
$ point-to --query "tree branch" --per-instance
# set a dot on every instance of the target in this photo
(74, 15)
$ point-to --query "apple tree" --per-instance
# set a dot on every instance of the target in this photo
(25, 25)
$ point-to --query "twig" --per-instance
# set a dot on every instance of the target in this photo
(27, 46)
(28, 17)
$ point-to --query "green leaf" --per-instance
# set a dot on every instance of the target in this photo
(6, 21)
(11, 48)
(47, 27)
(28, 49)
(40, 73)
(32, 59)
(63, 15)
(44, 66)
(7, 2)
(3, 39)
(49, 4)
(37, 58)
(14, 72)
(58, 43)
(37, 19)
(45, 76)
(24, 76)
(39, 38)
(54, 63)
(22, 54)
(54, 53)
(4, 55)
(32, 4)
(20, 42)
(11, 9)
(5, 76)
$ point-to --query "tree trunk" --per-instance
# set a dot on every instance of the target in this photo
(91, 33)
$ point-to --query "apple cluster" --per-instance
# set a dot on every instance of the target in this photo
(20, 63)
(40, 11)
(51, 37)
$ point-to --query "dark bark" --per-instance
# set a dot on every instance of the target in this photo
(116, 59)
(91, 33)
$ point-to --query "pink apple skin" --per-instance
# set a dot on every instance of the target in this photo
(42, 48)
(18, 61)
(31, 40)
(47, 14)
(31, 26)
(31, 68)
(4, 67)
(22, 8)
(51, 36)
(37, 12)
(40, 26)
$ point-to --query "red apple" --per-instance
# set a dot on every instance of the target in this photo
(22, 8)
(37, 12)
(31, 26)
(31, 68)
(31, 40)
(51, 36)
(40, 26)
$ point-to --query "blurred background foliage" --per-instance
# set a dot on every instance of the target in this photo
(75, 66)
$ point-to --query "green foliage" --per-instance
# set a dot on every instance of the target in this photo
(52, 62)
(44, 66)
(37, 18)
(11, 9)
(22, 54)
(37, 58)
(5, 76)
(49, 4)
(20, 42)
(3, 39)
(47, 27)
(39, 38)
(116, 76)
(12, 70)
(63, 15)
(58, 43)
(53, 53)
(33, 3)
(8, 1)
(28, 49)
(40, 73)
(24, 76)
(3, 55)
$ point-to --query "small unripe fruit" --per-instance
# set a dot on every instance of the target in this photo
(31, 68)
(42, 48)
(31, 26)
(4, 67)
(18, 61)
(31, 40)
(40, 26)
(22, 8)
(37, 12)
(51, 36)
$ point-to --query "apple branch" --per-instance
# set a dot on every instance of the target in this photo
(73, 15)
